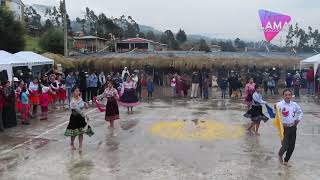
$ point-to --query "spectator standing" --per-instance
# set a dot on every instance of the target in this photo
(310, 80)
(195, 84)
(70, 83)
(93, 84)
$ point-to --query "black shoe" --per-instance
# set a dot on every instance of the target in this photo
(25, 123)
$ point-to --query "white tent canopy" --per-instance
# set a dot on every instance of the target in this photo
(34, 59)
(23, 58)
(311, 61)
(8, 61)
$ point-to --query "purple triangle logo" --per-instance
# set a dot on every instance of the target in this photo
(273, 23)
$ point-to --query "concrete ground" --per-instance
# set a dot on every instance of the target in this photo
(163, 140)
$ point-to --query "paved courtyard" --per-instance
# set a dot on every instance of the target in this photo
(165, 139)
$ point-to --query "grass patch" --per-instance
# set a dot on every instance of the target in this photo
(32, 44)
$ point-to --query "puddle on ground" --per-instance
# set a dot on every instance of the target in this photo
(127, 125)
(81, 169)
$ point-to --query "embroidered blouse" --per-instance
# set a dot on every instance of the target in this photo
(108, 93)
(78, 106)
(126, 85)
(34, 88)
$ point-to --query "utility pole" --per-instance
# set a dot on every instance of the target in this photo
(65, 29)
(96, 41)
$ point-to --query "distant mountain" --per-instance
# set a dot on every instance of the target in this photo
(145, 29)
(41, 10)
(191, 37)
(197, 37)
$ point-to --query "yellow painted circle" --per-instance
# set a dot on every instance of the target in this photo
(196, 130)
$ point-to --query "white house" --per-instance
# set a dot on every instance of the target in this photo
(16, 6)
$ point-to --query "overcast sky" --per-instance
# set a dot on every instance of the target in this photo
(219, 18)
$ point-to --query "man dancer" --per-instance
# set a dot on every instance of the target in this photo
(291, 115)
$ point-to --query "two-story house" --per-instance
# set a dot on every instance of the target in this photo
(16, 6)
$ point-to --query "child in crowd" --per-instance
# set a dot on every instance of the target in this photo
(25, 106)
(44, 102)
(223, 84)
(62, 93)
(150, 88)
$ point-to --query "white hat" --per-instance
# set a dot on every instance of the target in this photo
(15, 79)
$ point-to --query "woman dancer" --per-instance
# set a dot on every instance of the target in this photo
(77, 120)
(249, 90)
(255, 113)
(128, 98)
(35, 91)
(112, 110)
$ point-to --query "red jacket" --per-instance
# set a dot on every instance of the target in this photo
(310, 75)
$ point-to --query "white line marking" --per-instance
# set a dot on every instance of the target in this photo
(40, 135)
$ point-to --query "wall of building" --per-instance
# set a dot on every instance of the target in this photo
(17, 8)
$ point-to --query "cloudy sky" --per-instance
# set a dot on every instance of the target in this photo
(218, 18)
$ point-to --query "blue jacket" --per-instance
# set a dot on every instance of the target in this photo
(150, 86)
(223, 84)
(93, 81)
(24, 98)
(70, 81)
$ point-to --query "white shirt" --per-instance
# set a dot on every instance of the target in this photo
(289, 112)
(257, 99)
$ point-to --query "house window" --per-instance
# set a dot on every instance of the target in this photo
(3, 3)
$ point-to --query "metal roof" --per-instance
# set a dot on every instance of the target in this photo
(89, 37)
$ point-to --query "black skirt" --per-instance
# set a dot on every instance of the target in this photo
(256, 115)
(129, 98)
(9, 114)
(76, 125)
(112, 109)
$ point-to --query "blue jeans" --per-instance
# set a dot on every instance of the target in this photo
(223, 93)
(69, 94)
(205, 93)
(310, 85)
(173, 91)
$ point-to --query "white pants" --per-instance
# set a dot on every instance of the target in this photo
(194, 90)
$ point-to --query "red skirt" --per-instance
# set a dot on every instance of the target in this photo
(62, 95)
(18, 105)
(53, 98)
(34, 99)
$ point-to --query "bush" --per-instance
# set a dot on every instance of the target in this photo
(12, 32)
(52, 41)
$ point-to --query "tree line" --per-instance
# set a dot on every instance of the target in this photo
(51, 32)
(303, 40)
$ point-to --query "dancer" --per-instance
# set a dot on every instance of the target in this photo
(34, 90)
(291, 115)
(63, 93)
(44, 102)
(25, 106)
(112, 110)
(255, 113)
(128, 98)
(54, 85)
(77, 120)
(249, 90)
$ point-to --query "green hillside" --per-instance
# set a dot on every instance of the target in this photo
(32, 44)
